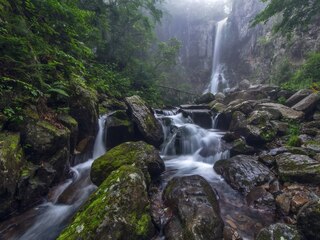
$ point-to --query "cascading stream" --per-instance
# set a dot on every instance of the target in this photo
(192, 150)
(47, 220)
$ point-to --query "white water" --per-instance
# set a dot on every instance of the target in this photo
(218, 81)
(190, 149)
(53, 215)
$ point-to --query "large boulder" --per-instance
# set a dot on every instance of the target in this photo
(195, 208)
(280, 111)
(308, 104)
(11, 164)
(119, 129)
(44, 142)
(308, 220)
(299, 168)
(243, 172)
(278, 231)
(298, 96)
(201, 117)
(253, 94)
(144, 120)
(205, 98)
(84, 109)
(141, 154)
(119, 209)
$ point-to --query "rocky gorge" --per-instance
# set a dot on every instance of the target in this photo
(267, 152)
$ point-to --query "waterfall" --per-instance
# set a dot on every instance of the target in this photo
(218, 80)
(53, 215)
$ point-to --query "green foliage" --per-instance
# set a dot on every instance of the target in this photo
(283, 72)
(293, 134)
(294, 14)
(307, 76)
(49, 47)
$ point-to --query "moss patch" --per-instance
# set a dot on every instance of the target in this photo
(118, 209)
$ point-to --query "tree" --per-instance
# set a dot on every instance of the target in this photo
(294, 14)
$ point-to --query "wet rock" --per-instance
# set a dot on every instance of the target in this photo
(243, 172)
(308, 104)
(195, 209)
(195, 107)
(223, 121)
(72, 125)
(278, 231)
(230, 137)
(11, 164)
(283, 203)
(256, 135)
(239, 146)
(205, 98)
(280, 111)
(281, 127)
(238, 122)
(246, 95)
(298, 96)
(201, 117)
(84, 145)
(84, 109)
(299, 168)
(308, 221)
(218, 107)
(259, 117)
(144, 120)
(261, 199)
(141, 154)
(316, 116)
(119, 129)
(119, 209)
(45, 142)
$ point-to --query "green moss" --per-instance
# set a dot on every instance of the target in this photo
(119, 206)
(130, 153)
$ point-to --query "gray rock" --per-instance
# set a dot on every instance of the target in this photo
(243, 172)
(120, 129)
(205, 98)
(297, 97)
(244, 84)
(278, 231)
(299, 168)
(196, 213)
(280, 111)
(144, 120)
(308, 220)
(308, 104)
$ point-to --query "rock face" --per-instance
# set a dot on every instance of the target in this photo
(309, 221)
(280, 111)
(119, 129)
(278, 231)
(300, 168)
(243, 172)
(11, 164)
(144, 120)
(145, 156)
(255, 53)
(195, 208)
(119, 209)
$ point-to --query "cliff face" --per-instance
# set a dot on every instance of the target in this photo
(256, 54)
(193, 23)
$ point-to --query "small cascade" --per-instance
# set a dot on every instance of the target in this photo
(47, 220)
(191, 150)
(218, 82)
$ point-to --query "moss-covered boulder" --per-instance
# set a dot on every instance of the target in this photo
(145, 122)
(44, 142)
(279, 231)
(11, 164)
(120, 129)
(84, 109)
(298, 168)
(119, 209)
(308, 220)
(280, 111)
(243, 172)
(140, 154)
(195, 208)
(72, 125)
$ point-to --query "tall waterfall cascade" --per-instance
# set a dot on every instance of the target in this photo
(218, 82)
